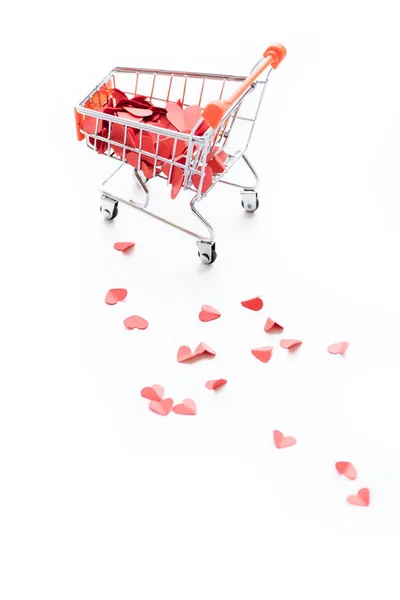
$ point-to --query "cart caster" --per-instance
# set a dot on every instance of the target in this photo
(206, 252)
(249, 200)
(108, 208)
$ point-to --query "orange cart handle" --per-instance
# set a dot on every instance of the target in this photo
(214, 111)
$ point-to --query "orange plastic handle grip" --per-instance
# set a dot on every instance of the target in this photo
(214, 111)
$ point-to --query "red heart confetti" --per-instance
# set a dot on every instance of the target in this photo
(185, 353)
(338, 348)
(116, 295)
(253, 304)
(263, 354)
(290, 344)
(187, 407)
(207, 180)
(208, 313)
(183, 120)
(362, 498)
(347, 469)
(271, 324)
(282, 441)
(214, 384)
(163, 407)
(204, 349)
(136, 322)
(155, 392)
(123, 246)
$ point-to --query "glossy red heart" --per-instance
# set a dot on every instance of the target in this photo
(208, 313)
(187, 407)
(290, 344)
(116, 295)
(282, 441)
(263, 354)
(347, 469)
(136, 322)
(362, 498)
(271, 324)
(155, 392)
(253, 304)
(123, 246)
(338, 348)
(214, 384)
(163, 407)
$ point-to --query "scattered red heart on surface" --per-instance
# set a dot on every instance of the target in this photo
(162, 407)
(116, 295)
(155, 393)
(185, 353)
(282, 441)
(263, 354)
(362, 498)
(272, 325)
(338, 348)
(136, 322)
(208, 313)
(290, 344)
(214, 384)
(253, 304)
(123, 246)
(187, 407)
(347, 469)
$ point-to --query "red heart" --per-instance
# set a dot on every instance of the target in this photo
(264, 353)
(253, 304)
(214, 384)
(139, 112)
(347, 469)
(204, 349)
(183, 120)
(155, 392)
(207, 181)
(176, 181)
(360, 499)
(339, 348)
(136, 322)
(271, 324)
(163, 407)
(116, 295)
(290, 344)
(208, 313)
(122, 246)
(187, 407)
(184, 353)
(283, 442)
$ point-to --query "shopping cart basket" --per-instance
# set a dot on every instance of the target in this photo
(212, 136)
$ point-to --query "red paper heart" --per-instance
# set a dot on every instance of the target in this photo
(138, 112)
(116, 295)
(207, 181)
(338, 348)
(136, 322)
(204, 349)
(176, 181)
(184, 353)
(253, 304)
(361, 498)
(163, 407)
(208, 313)
(183, 120)
(347, 469)
(155, 392)
(123, 246)
(187, 407)
(282, 441)
(290, 344)
(263, 354)
(271, 324)
(214, 384)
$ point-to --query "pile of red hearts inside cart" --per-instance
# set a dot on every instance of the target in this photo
(173, 117)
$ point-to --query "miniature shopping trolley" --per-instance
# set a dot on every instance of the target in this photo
(192, 159)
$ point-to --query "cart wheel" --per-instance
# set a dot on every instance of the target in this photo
(108, 208)
(207, 252)
(250, 201)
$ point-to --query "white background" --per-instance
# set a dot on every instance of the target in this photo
(103, 499)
